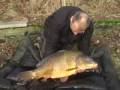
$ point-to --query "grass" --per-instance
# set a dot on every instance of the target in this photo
(108, 22)
(40, 9)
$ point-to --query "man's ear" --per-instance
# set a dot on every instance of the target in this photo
(72, 19)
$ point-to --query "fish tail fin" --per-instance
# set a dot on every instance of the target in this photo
(26, 76)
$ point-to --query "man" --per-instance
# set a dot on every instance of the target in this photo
(65, 27)
(70, 25)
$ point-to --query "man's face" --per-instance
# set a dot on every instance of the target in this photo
(78, 26)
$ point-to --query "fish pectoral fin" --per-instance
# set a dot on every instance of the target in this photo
(63, 79)
(70, 69)
(44, 79)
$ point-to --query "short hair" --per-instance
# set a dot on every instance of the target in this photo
(78, 15)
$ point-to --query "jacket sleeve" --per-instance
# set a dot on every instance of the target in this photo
(51, 37)
(84, 44)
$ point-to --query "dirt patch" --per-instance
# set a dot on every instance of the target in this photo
(38, 10)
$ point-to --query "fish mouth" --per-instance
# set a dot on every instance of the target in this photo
(88, 68)
(94, 68)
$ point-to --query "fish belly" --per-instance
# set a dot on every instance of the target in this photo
(60, 74)
(63, 69)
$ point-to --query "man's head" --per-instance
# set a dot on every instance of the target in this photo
(79, 22)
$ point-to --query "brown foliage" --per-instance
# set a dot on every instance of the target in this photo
(39, 9)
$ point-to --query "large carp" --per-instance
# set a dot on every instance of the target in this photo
(60, 65)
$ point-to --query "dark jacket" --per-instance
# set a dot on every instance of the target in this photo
(59, 35)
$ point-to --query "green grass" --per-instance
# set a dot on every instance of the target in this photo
(108, 22)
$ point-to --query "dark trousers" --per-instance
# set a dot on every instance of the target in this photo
(102, 56)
